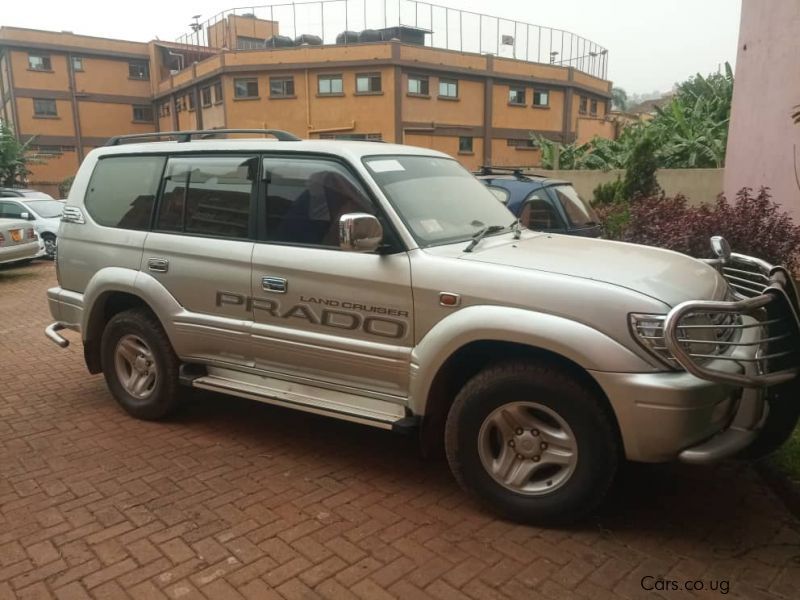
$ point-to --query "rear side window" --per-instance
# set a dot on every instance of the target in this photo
(208, 196)
(123, 189)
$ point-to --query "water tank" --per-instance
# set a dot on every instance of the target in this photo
(369, 35)
(347, 37)
(279, 41)
(308, 39)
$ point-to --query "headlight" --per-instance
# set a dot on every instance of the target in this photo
(704, 335)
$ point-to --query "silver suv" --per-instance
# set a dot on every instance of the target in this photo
(383, 284)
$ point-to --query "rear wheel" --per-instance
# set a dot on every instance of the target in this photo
(532, 443)
(139, 364)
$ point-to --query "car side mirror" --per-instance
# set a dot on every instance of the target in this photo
(359, 232)
(26, 215)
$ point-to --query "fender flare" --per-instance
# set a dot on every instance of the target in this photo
(587, 347)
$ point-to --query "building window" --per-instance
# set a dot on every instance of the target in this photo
(418, 85)
(281, 87)
(584, 105)
(48, 150)
(465, 145)
(448, 88)
(522, 143)
(190, 100)
(179, 105)
(593, 108)
(245, 88)
(516, 96)
(163, 109)
(138, 69)
(44, 107)
(77, 63)
(368, 83)
(541, 98)
(330, 85)
(250, 43)
(143, 113)
(218, 92)
(205, 96)
(369, 137)
(39, 62)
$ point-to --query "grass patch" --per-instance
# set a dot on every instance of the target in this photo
(787, 458)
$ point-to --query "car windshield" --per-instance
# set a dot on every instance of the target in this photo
(437, 198)
(46, 209)
(579, 212)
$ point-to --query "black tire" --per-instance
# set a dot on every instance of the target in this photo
(784, 412)
(591, 422)
(165, 394)
(51, 249)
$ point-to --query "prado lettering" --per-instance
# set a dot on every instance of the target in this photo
(337, 319)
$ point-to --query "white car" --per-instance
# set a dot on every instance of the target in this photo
(45, 215)
(18, 241)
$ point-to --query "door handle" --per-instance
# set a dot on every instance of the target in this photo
(158, 265)
(277, 285)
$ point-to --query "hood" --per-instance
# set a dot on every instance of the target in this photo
(664, 275)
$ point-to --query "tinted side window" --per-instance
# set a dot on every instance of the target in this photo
(306, 197)
(123, 189)
(539, 215)
(208, 195)
(10, 210)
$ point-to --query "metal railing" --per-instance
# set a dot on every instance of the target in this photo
(437, 26)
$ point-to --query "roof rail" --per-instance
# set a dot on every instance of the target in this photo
(518, 172)
(186, 136)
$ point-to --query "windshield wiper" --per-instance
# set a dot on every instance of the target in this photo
(482, 233)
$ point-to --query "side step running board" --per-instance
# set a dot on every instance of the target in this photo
(340, 405)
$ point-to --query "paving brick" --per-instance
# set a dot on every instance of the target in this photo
(94, 504)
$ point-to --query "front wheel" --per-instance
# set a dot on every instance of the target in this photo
(139, 364)
(49, 245)
(532, 443)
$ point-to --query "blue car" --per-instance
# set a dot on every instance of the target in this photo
(541, 203)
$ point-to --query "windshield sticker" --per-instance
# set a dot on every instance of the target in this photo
(431, 226)
(385, 166)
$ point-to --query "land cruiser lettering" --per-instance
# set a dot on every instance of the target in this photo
(537, 362)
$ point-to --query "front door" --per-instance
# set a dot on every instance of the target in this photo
(337, 318)
(201, 246)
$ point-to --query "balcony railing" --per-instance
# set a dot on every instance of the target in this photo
(326, 21)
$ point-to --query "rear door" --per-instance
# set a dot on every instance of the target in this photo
(200, 250)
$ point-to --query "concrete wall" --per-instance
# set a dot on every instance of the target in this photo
(764, 144)
(698, 185)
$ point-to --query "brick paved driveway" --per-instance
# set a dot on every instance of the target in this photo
(236, 499)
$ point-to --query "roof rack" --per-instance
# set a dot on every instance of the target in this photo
(186, 136)
(518, 172)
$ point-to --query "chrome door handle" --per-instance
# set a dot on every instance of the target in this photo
(276, 285)
(158, 265)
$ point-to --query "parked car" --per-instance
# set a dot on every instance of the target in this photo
(542, 203)
(7, 192)
(18, 241)
(45, 215)
(383, 284)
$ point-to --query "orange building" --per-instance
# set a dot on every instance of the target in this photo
(398, 84)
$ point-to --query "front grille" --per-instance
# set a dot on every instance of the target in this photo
(747, 279)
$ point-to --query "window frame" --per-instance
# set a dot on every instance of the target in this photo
(47, 62)
(283, 80)
(583, 105)
(140, 63)
(593, 105)
(517, 89)
(75, 69)
(539, 94)
(203, 91)
(424, 83)
(330, 77)
(471, 139)
(45, 115)
(219, 95)
(370, 76)
(448, 81)
(248, 81)
(140, 107)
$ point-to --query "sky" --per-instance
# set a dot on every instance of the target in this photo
(652, 44)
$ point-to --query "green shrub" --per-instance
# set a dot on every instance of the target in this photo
(65, 186)
(608, 193)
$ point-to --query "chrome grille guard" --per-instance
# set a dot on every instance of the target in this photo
(768, 345)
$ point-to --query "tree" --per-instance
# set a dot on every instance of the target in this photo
(619, 98)
(640, 175)
(15, 158)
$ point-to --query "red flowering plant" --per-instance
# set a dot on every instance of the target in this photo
(752, 224)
